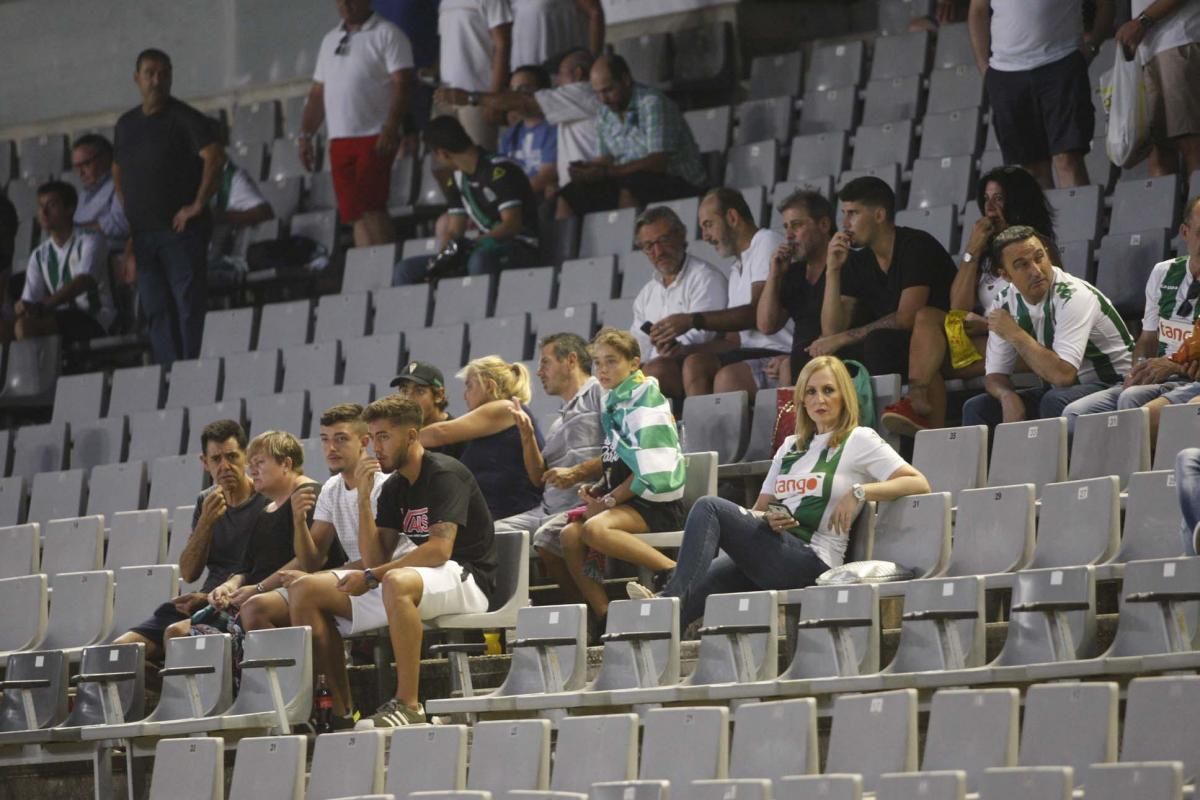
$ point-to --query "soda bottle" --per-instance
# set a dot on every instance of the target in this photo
(324, 707)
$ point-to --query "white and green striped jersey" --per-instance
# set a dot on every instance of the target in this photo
(639, 431)
(1167, 292)
(1074, 320)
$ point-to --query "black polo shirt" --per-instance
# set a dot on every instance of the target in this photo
(272, 543)
(498, 183)
(918, 259)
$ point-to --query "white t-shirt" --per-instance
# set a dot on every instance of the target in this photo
(545, 28)
(1166, 291)
(699, 286)
(1027, 34)
(338, 506)
(866, 458)
(1182, 27)
(573, 108)
(51, 267)
(244, 194)
(465, 29)
(753, 266)
(358, 83)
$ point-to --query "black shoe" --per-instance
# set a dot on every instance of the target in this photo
(596, 628)
(661, 578)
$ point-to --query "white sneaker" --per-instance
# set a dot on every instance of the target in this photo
(638, 592)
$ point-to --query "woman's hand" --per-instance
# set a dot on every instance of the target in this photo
(521, 420)
(239, 598)
(777, 521)
(219, 597)
(844, 513)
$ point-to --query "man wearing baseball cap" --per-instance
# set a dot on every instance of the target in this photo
(423, 383)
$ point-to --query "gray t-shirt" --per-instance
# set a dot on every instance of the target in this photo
(574, 437)
(229, 537)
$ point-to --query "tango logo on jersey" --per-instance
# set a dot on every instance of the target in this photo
(416, 521)
(799, 485)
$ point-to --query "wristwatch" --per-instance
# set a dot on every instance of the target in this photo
(473, 98)
(372, 581)
(260, 588)
(967, 257)
(860, 492)
(698, 321)
(609, 501)
(1146, 21)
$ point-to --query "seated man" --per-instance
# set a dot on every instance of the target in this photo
(99, 207)
(433, 500)
(493, 193)
(795, 285)
(682, 284)
(647, 152)
(743, 359)
(530, 140)
(238, 203)
(1062, 327)
(571, 453)
(221, 524)
(422, 383)
(879, 276)
(1170, 316)
(66, 283)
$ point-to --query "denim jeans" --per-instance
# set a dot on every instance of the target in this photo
(172, 283)
(1187, 479)
(482, 261)
(726, 548)
(1040, 403)
(1116, 398)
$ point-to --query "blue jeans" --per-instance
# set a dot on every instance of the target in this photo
(1116, 398)
(1187, 479)
(753, 557)
(172, 283)
(482, 261)
(1040, 403)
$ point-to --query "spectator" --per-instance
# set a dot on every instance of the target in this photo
(530, 140)
(1006, 196)
(361, 90)
(433, 500)
(544, 28)
(571, 453)
(1170, 316)
(727, 549)
(571, 107)
(1166, 37)
(1064, 330)
(476, 46)
(682, 285)
(282, 540)
(743, 359)
(647, 153)
(167, 169)
(641, 488)
(99, 208)
(1034, 56)
(489, 435)
(795, 284)
(423, 383)
(489, 190)
(224, 516)
(237, 204)
(879, 273)
(66, 282)
(1187, 478)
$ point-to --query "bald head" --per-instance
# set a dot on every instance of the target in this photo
(612, 82)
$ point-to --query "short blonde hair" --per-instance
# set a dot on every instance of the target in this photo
(500, 379)
(620, 340)
(846, 421)
(279, 445)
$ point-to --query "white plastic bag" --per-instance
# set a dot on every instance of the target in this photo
(1123, 93)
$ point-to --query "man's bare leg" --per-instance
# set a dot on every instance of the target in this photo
(153, 651)
(737, 377)
(1070, 170)
(556, 568)
(314, 601)
(402, 589)
(699, 370)
(267, 610)
(669, 372)
(373, 227)
(1042, 171)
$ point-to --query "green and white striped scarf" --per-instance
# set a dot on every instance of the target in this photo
(639, 430)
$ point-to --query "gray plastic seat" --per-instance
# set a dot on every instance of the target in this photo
(175, 481)
(32, 365)
(915, 533)
(1125, 263)
(594, 749)
(508, 755)
(873, 734)
(680, 745)
(763, 119)
(372, 360)
(1152, 518)
(953, 47)
(877, 145)
(1111, 443)
(320, 226)
(278, 412)
(888, 173)
(828, 111)
(42, 156)
(1078, 259)
(74, 544)
(37, 682)
(402, 308)
(1034, 452)
(135, 389)
(953, 459)
(114, 488)
(837, 633)
(955, 88)
(817, 154)
(972, 730)
(942, 629)
(994, 530)
(55, 495)
(190, 769)
(137, 538)
(20, 550)
(774, 739)
(636, 270)
(1078, 212)
(284, 324)
(615, 314)
(1031, 783)
(1147, 780)
(400, 188)
(729, 789)
(347, 763)
(1178, 428)
(1052, 625)
(39, 448)
(306, 366)
(1158, 616)
(607, 233)
(78, 398)
(314, 456)
(429, 190)
(507, 337)
(901, 55)
(325, 397)
(191, 382)
(762, 426)
(718, 422)
(710, 127)
(580, 320)
(199, 418)
(24, 604)
(252, 374)
(1162, 722)
(462, 299)
(778, 75)
(444, 346)
(892, 100)
(342, 316)
(1144, 204)
(754, 164)
(827, 787)
(649, 57)
(940, 222)
(951, 133)
(941, 181)
(586, 280)
(227, 332)
(522, 290)
(319, 194)
(426, 758)
(285, 162)
(81, 608)
(1069, 725)
(1079, 523)
(12, 500)
(368, 268)
(139, 589)
(101, 441)
(835, 66)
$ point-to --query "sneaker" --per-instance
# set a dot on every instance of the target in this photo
(393, 714)
(637, 591)
(900, 419)
(346, 723)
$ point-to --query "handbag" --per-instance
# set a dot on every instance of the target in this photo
(1123, 92)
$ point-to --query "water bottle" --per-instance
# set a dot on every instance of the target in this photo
(324, 707)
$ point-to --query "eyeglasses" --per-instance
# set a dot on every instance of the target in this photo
(1185, 308)
(661, 243)
(343, 46)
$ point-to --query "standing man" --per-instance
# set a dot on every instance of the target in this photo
(1034, 57)
(168, 167)
(99, 208)
(682, 284)
(543, 29)
(476, 46)
(361, 90)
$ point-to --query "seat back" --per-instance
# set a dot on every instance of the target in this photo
(1142, 626)
(114, 492)
(738, 640)
(510, 755)
(827, 787)
(1146, 780)
(953, 46)
(39, 448)
(710, 127)
(1069, 725)
(24, 610)
(1162, 721)
(953, 133)
(78, 398)
(139, 589)
(942, 626)
(252, 374)
(295, 681)
(402, 308)
(838, 633)
(1147, 203)
(993, 530)
(214, 689)
(307, 366)
(1079, 523)
(368, 268)
(1111, 443)
(1077, 212)
(914, 532)
(606, 233)
(775, 739)
(199, 418)
(512, 587)
(445, 346)
(1178, 428)
(628, 662)
(587, 280)
(284, 324)
(372, 360)
(101, 441)
(56, 495)
(834, 66)
(762, 426)
(269, 766)
(873, 734)
(944, 785)
(20, 550)
(462, 299)
(892, 100)
(81, 611)
(940, 222)
(777, 75)
(952, 459)
(12, 500)
(901, 55)
(175, 480)
(135, 389)
(191, 768)
(49, 699)
(1032, 783)
(681, 745)
(753, 164)
(525, 674)
(507, 337)
(1046, 624)
(764, 118)
(972, 730)
(522, 290)
(427, 758)
(74, 544)
(594, 749)
(342, 316)
(1152, 517)
(579, 320)
(1034, 451)
(941, 181)
(877, 145)
(91, 701)
(32, 364)
(286, 411)
(954, 88)
(347, 763)
(1125, 263)
(718, 422)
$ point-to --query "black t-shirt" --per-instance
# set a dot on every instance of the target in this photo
(160, 163)
(803, 303)
(230, 534)
(918, 259)
(270, 545)
(498, 183)
(445, 491)
(454, 449)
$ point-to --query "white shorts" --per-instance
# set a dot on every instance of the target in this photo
(445, 592)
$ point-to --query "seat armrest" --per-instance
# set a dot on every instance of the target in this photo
(1180, 596)
(636, 636)
(103, 677)
(937, 614)
(836, 622)
(725, 630)
(265, 663)
(470, 648)
(198, 669)
(546, 641)
(28, 683)
(1051, 605)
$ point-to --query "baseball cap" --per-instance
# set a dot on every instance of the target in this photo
(422, 373)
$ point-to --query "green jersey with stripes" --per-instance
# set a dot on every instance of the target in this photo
(1074, 320)
(1171, 303)
(640, 436)
(52, 267)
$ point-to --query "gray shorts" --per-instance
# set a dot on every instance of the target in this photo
(544, 526)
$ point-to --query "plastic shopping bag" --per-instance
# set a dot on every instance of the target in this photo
(1124, 95)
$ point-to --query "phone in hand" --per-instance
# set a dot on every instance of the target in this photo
(647, 326)
(778, 508)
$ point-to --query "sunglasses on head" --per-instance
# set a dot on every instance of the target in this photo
(343, 46)
(1186, 307)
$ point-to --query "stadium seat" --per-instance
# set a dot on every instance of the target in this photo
(873, 734)
(941, 181)
(828, 111)
(754, 164)
(81, 605)
(400, 188)
(102, 441)
(1178, 428)
(1034, 783)
(283, 193)
(114, 488)
(1126, 260)
(680, 745)
(175, 480)
(992, 713)
(607, 233)
(135, 389)
(1148, 780)
(463, 299)
(718, 422)
(1034, 451)
(200, 416)
(1077, 212)
(401, 308)
(952, 133)
(284, 324)
(55, 495)
(342, 316)
(777, 75)
(580, 320)
(372, 360)
(878, 145)
(888, 173)
(314, 453)
(507, 337)
(1152, 519)
(615, 314)
(762, 426)
(837, 66)
(227, 332)
(1111, 443)
(915, 533)
(954, 89)
(193, 381)
(760, 120)
(443, 346)
(251, 374)
(523, 290)
(1079, 523)
(324, 397)
(648, 56)
(39, 685)
(953, 47)
(78, 398)
(256, 122)
(425, 758)
(31, 370)
(1078, 259)
(20, 550)
(586, 280)
(1052, 627)
(286, 411)
(1145, 204)
(508, 755)
(319, 194)
(140, 588)
(1160, 723)
(307, 366)
(250, 156)
(72, 544)
(1155, 599)
(952, 459)
(346, 763)
(994, 530)
(1101, 171)
(42, 157)
(703, 57)
(12, 500)
(817, 154)
(892, 100)
(901, 56)
(24, 603)
(827, 787)
(940, 222)
(137, 538)
(193, 769)
(368, 268)
(711, 127)
(39, 448)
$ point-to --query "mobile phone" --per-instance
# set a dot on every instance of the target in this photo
(778, 508)
(647, 325)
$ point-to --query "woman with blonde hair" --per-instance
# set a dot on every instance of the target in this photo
(492, 450)
(819, 481)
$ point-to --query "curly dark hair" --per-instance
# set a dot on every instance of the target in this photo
(1025, 203)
